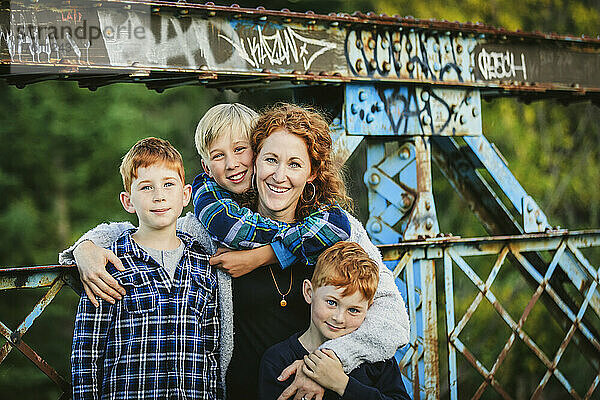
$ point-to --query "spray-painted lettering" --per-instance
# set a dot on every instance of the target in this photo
(500, 65)
(26, 40)
(285, 46)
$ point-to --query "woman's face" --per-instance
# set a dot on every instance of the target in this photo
(282, 171)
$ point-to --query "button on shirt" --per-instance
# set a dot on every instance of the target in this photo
(161, 341)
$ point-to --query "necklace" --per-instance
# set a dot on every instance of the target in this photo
(283, 302)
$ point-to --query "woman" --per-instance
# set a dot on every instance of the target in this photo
(295, 176)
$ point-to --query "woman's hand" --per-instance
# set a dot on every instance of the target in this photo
(303, 387)
(91, 262)
(325, 368)
(240, 262)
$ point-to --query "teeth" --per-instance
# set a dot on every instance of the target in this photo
(237, 176)
(278, 190)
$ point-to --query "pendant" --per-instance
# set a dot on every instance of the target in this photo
(283, 303)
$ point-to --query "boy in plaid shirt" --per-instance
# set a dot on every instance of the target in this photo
(162, 340)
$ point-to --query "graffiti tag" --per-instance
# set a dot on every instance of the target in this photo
(284, 46)
(496, 65)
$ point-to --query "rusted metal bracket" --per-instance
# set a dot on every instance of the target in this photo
(54, 277)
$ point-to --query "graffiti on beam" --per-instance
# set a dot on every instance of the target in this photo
(410, 55)
(501, 65)
(215, 43)
(411, 110)
(284, 47)
(48, 37)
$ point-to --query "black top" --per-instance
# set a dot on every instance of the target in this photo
(260, 322)
(369, 381)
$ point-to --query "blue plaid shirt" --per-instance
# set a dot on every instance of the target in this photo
(240, 228)
(161, 341)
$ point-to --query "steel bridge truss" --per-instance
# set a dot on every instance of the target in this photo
(451, 255)
(408, 90)
(54, 278)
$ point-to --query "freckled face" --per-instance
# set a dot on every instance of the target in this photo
(230, 162)
(157, 196)
(332, 314)
(282, 170)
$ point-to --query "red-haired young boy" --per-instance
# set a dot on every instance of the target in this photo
(340, 292)
(162, 340)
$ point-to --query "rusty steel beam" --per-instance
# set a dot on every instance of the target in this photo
(36, 312)
(154, 41)
(454, 249)
(37, 276)
(15, 340)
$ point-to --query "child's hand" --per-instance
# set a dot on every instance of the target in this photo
(325, 368)
(235, 262)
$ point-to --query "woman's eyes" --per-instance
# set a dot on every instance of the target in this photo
(146, 187)
(353, 310)
(271, 160)
(169, 184)
(217, 156)
(294, 164)
(239, 149)
(331, 302)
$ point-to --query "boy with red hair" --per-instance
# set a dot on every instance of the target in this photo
(162, 340)
(341, 290)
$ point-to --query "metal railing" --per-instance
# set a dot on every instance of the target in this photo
(54, 277)
(579, 320)
(457, 260)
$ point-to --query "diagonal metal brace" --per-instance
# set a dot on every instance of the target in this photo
(15, 340)
(36, 312)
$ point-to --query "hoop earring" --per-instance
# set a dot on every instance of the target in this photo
(314, 193)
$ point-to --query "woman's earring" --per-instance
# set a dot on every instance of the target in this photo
(314, 193)
(253, 181)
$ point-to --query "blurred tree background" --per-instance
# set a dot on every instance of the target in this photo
(62, 147)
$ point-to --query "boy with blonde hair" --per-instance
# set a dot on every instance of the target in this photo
(162, 340)
(223, 142)
(340, 291)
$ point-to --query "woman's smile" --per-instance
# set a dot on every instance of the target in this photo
(277, 189)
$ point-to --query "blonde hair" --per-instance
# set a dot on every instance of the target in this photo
(147, 152)
(347, 265)
(311, 126)
(234, 117)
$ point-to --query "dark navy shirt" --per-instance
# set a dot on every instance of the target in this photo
(369, 381)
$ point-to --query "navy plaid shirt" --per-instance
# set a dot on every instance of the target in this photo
(240, 228)
(161, 341)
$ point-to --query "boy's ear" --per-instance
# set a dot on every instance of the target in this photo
(205, 168)
(187, 194)
(307, 291)
(126, 202)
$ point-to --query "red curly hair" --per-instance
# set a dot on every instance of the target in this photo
(347, 266)
(313, 128)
